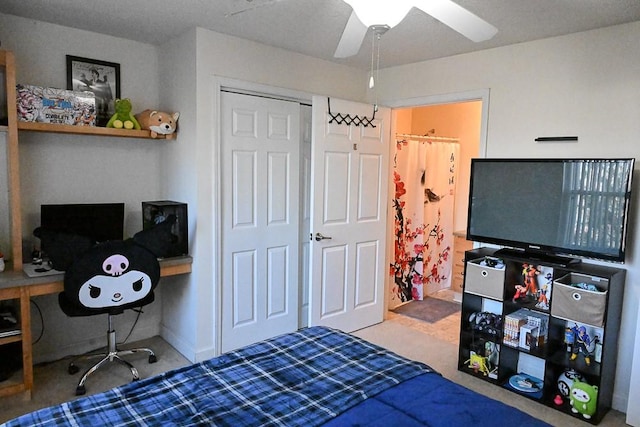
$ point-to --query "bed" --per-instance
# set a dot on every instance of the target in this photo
(315, 376)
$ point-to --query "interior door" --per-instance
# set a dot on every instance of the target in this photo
(350, 167)
(260, 218)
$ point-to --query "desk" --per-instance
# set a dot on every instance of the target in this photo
(15, 285)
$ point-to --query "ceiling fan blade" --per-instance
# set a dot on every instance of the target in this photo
(352, 37)
(252, 7)
(458, 18)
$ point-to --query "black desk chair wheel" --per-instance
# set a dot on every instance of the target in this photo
(108, 279)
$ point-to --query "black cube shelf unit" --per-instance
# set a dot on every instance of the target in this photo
(544, 328)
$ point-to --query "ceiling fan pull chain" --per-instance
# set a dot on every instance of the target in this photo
(347, 119)
(377, 35)
(372, 82)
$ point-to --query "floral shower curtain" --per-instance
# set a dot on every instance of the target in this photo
(425, 174)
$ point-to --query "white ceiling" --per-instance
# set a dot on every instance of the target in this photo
(314, 27)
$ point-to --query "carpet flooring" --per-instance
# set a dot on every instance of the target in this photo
(428, 310)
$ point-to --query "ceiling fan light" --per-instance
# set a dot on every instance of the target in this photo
(380, 12)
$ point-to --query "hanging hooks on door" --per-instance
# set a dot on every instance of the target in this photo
(347, 119)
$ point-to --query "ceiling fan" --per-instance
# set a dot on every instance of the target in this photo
(383, 15)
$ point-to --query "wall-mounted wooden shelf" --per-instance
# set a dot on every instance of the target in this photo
(88, 130)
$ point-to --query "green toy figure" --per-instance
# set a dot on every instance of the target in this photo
(584, 398)
(123, 118)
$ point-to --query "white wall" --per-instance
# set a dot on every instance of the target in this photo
(197, 62)
(583, 84)
(62, 168)
(182, 181)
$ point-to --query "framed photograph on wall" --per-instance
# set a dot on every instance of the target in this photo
(100, 77)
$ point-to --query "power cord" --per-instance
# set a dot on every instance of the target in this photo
(41, 322)
(135, 322)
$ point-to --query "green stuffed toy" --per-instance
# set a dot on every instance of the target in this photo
(583, 398)
(123, 118)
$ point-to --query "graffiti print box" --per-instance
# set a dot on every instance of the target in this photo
(51, 105)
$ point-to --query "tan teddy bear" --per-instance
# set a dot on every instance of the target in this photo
(158, 122)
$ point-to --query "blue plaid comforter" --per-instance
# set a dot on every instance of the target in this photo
(300, 379)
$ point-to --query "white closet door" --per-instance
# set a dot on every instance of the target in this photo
(260, 218)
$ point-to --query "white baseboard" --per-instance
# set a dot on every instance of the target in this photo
(185, 348)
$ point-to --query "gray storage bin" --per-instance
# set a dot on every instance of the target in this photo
(484, 280)
(580, 305)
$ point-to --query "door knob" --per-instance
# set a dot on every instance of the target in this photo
(319, 237)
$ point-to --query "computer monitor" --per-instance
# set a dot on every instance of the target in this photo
(99, 221)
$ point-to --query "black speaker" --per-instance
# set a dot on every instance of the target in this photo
(155, 213)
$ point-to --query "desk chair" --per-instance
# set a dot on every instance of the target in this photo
(109, 278)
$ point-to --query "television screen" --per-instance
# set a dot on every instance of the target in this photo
(575, 207)
(99, 221)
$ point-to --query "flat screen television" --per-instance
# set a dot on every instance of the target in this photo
(562, 208)
(99, 221)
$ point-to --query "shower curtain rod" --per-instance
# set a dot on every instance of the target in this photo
(427, 138)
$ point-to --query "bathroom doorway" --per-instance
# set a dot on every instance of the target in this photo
(427, 231)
